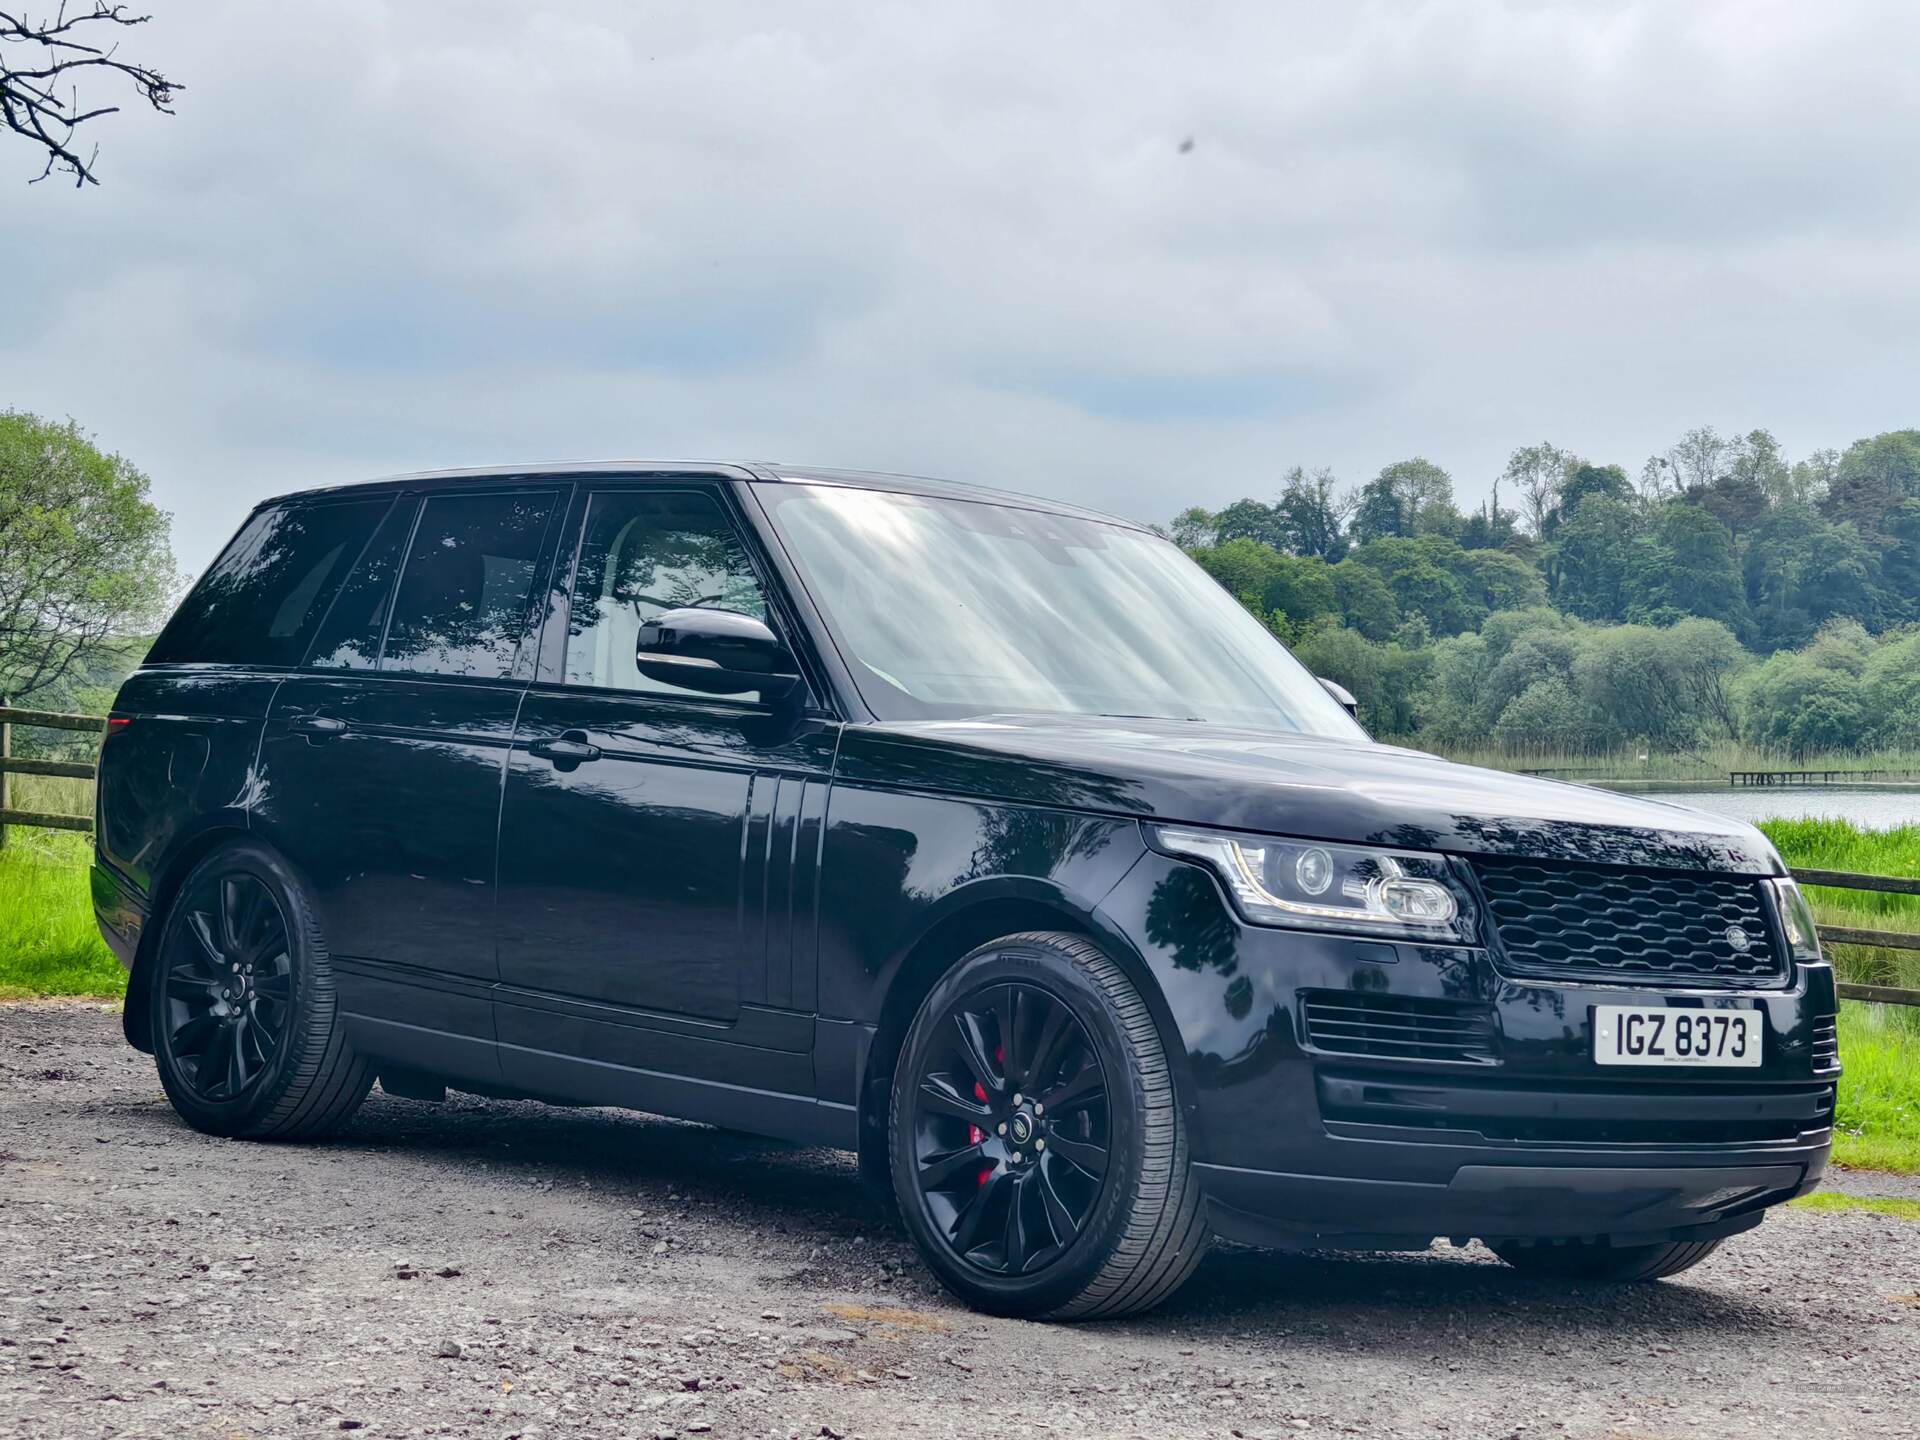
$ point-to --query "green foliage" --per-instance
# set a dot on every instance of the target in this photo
(1830, 1201)
(1872, 478)
(1407, 498)
(1389, 680)
(83, 553)
(1618, 611)
(1366, 603)
(48, 943)
(1694, 568)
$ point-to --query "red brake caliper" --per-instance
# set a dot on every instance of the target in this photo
(974, 1133)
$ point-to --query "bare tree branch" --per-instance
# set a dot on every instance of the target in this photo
(37, 56)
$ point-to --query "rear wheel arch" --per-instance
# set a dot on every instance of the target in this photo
(135, 1014)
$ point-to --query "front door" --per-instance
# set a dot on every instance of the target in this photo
(657, 844)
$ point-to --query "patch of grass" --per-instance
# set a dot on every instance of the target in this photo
(1877, 1118)
(1878, 1204)
(48, 943)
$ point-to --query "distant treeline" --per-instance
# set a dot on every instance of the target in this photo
(1724, 593)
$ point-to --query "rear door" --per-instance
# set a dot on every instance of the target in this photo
(381, 767)
(656, 897)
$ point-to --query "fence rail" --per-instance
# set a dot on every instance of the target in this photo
(79, 770)
(11, 764)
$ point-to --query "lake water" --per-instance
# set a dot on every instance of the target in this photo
(1872, 807)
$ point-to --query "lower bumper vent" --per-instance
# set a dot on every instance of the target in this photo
(1826, 1047)
(1399, 1027)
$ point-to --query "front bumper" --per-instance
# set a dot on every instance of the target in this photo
(1639, 1199)
(1496, 1124)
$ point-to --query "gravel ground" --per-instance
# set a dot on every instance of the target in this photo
(489, 1269)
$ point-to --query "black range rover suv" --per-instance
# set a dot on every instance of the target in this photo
(982, 836)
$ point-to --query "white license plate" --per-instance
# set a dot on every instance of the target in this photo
(1639, 1035)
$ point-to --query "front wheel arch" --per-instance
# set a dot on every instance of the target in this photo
(949, 940)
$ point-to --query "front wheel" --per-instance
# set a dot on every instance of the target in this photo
(1037, 1150)
(246, 1033)
(1596, 1260)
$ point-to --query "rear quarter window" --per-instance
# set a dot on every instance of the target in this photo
(262, 600)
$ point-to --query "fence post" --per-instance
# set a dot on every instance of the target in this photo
(6, 749)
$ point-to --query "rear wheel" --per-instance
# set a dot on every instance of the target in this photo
(1037, 1152)
(246, 1034)
(1596, 1260)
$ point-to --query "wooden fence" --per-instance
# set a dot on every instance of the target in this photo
(10, 764)
(46, 719)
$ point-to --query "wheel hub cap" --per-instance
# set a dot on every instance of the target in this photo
(1010, 1128)
(227, 995)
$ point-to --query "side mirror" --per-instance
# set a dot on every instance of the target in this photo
(1342, 694)
(716, 652)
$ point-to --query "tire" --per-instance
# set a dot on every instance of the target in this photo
(1108, 1222)
(258, 1052)
(1596, 1260)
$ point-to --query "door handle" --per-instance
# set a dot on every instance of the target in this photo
(316, 727)
(571, 749)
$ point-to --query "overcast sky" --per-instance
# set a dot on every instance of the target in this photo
(964, 240)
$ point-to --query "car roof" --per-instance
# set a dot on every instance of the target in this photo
(754, 472)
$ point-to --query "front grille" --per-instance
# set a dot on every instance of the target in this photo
(1826, 1046)
(1399, 1027)
(1592, 922)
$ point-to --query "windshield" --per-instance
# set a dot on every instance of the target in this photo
(949, 608)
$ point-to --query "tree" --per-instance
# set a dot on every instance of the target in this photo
(1596, 557)
(1194, 528)
(1490, 527)
(1366, 603)
(39, 59)
(1536, 473)
(1248, 520)
(1495, 580)
(1890, 683)
(1872, 478)
(1243, 567)
(1545, 716)
(1693, 462)
(1408, 497)
(1801, 571)
(1390, 681)
(1694, 568)
(1311, 516)
(1757, 460)
(1419, 575)
(1300, 590)
(84, 558)
(1811, 478)
(1583, 480)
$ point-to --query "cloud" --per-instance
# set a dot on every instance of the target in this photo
(966, 240)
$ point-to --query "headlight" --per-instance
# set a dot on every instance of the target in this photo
(1310, 886)
(1796, 918)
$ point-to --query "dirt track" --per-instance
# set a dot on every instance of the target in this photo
(489, 1269)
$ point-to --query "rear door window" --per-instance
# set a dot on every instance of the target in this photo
(350, 636)
(465, 602)
(262, 600)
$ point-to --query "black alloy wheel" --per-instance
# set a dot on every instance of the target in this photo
(1011, 1128)
(1037, 1152)
(247, 1034)
(228, 986)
